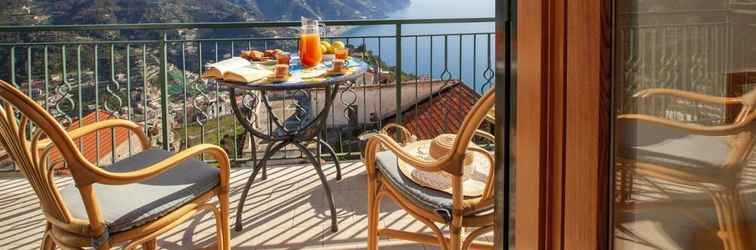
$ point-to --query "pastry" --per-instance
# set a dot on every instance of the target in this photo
(255, 55)
(246, 54)
(270, 54)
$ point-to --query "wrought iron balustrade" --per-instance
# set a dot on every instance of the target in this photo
(156, 82)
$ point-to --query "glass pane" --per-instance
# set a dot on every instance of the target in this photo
(684, 172)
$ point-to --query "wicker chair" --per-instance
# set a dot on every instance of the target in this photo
(128, 203)
(424, 204)
(707, 158)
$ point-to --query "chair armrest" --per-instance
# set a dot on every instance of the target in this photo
(488, 191)
(110, 123)
(688, 95)
(98, 175)
(406, 134)
(690, 127)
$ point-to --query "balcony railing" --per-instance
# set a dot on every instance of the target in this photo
(155, 81)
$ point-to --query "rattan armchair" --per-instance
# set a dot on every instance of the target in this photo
(128, 203)
(707, 158)
(426, 205)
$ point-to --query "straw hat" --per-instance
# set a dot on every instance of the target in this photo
(475, 170)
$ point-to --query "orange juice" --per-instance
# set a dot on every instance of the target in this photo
(341, 53)
(310, 53)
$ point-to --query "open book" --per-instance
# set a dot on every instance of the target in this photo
(236, 69)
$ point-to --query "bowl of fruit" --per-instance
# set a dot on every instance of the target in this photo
(328, 48)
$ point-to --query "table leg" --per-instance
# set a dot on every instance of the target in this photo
(269, 151)
(264, 167)
(324, 181)
(264, 173)
(333, 155)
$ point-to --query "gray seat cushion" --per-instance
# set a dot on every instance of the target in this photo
(653, 143)
(427, 198)
(128, 206)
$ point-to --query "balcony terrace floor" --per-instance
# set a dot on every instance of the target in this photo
(286, 211)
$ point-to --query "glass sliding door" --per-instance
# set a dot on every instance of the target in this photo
(505, 19)
(684, 176)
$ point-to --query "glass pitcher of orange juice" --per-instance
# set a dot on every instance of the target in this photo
(310, 53)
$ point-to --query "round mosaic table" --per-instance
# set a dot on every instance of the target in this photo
(300, 81)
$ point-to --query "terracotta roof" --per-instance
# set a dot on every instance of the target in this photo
(89, 142)
(442, 112)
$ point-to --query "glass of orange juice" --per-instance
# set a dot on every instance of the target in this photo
(341, 53)
(310, 53)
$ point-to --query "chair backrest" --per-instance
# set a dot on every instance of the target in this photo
(748, 108)
(25, 128)
(480, 112)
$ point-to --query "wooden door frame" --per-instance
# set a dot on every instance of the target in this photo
(563, 124)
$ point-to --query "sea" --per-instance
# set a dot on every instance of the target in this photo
(423, 55)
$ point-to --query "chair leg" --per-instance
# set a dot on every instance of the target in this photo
(47, 242)
(225, 240)
(455, 237)
(470, 238)
(373, 213)
(732, 228)
(150, 245)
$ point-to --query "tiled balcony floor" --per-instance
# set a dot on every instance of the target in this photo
(287, 211)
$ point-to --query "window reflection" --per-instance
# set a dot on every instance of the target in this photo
(685, 175)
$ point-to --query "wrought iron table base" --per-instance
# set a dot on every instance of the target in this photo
(270, 151)
(322, 144)
(298, 138)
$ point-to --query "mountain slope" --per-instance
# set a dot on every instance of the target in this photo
(327, 9)
(173, 11)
